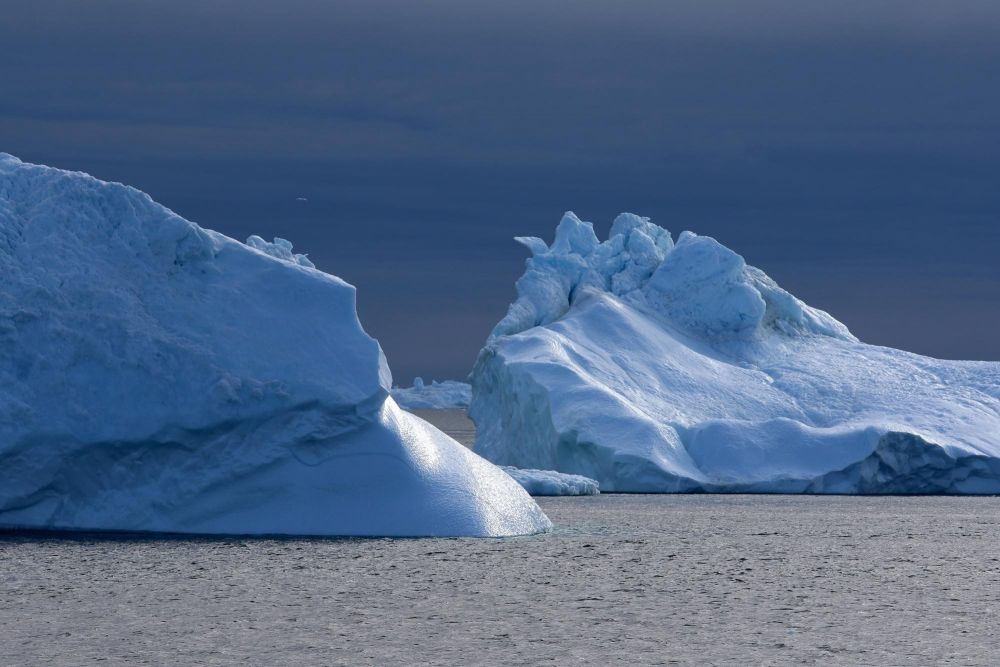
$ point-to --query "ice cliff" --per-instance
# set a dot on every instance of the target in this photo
(157, 376)
(654, 366)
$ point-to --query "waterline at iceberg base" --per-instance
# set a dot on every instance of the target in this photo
(655, 366)
(156, 376)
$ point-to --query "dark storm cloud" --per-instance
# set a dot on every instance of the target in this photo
(849, 149)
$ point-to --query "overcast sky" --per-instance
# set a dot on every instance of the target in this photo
(849, 149)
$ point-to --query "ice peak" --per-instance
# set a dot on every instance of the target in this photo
(698, 284)
(574, 236)
(281, 249)
(534, 244)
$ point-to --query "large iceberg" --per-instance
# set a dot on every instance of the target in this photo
(652, 366)
(157, 376)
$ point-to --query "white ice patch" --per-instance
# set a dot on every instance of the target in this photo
(281, 248)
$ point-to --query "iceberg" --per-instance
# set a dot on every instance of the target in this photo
(157, 376)
(552, 483)
(445, 395)
(652, 365)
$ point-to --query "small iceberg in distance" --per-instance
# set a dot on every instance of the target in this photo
(448, 394)
(658, 366)
(552, 483)
(156, 376)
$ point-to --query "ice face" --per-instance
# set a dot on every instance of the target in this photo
(701, 286)
(105, 288)
(158, 376)
(655, 367)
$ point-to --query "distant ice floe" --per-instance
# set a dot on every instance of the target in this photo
(552, 483)
(157, 376)
(434, 396)
(655, 366)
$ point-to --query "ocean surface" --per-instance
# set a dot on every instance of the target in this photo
(730, 580)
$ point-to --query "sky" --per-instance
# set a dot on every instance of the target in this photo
(849, 149)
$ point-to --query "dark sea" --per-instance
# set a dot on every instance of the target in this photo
(622, 579)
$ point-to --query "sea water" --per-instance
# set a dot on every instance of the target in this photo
(732, 580)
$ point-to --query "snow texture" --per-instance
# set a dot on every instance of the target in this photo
(659, 367)
(434, 396)
(552, 483)
(157, 376)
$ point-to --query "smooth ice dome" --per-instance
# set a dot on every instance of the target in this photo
(157, 376)
(652, 366)
(444, 395)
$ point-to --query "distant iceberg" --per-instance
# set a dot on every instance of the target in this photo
(654, 366)
(157, 376)
(444, 395)
(552, 483)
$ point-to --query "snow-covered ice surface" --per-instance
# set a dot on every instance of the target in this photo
(433, 396)
(552, 483)
(652, 366)
(157, 376)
